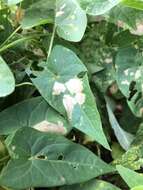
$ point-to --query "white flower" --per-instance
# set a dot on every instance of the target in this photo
(69, 103)
(74, 86)
(46, 126)
(80, 98)
(58, 88)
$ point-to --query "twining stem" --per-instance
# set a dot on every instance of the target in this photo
(14, 32)
(52, 40)
(24, 83)
(7, 46)
(4, 158)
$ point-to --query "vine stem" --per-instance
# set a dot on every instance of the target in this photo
(24, 83)
(14, 32)
(5, 47)
(52, 40)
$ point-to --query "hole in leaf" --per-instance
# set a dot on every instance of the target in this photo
(42, 157)
(81, 75)
(61, 157)
(75, 165)
(32, 76)
(132, 89)
(132, 85)
(139, 96)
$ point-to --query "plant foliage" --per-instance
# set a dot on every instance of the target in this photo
(71, 94)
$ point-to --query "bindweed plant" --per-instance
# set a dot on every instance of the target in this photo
(71, 94)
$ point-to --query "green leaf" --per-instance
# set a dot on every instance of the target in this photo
(117, 151)
(5, 28)
(98, 7)
(60, 85)
(138, 188)
(69, 19)
(137, 4)
(129, 68)
(7, 82)
(92, 185)
(133, 158)
(13, 2)
(39, 13)
(124, 138)
(126, 17)
(47, 160)
(33, 112)
(131, 177)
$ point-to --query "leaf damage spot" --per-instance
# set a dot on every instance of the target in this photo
(58, 88)
(59, 13)
(63, 6)
(141, 112)
(72, 17)
(125, 82)
(69, 102)
(42, 157)
(131, 73)
(13, 147)
(74, 86)
(108, 60)
(139, 29)
(138, 74)
(46, 126)
(63, 180)
(126, 72)
(80, 98)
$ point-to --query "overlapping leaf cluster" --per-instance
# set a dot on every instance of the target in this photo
(71, 94)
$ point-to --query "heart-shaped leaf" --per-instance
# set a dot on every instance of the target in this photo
(124, 138)
(13, 2)
(92, 185)
(98, 7)
(38, 13)
(125, 17)
(69, 19)
(60, 85)
(46, 160)
(7, 82)
(133, 157)
(137, 4)
(131, 177)
(138, 188)
(129, 67)
(35, 113)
